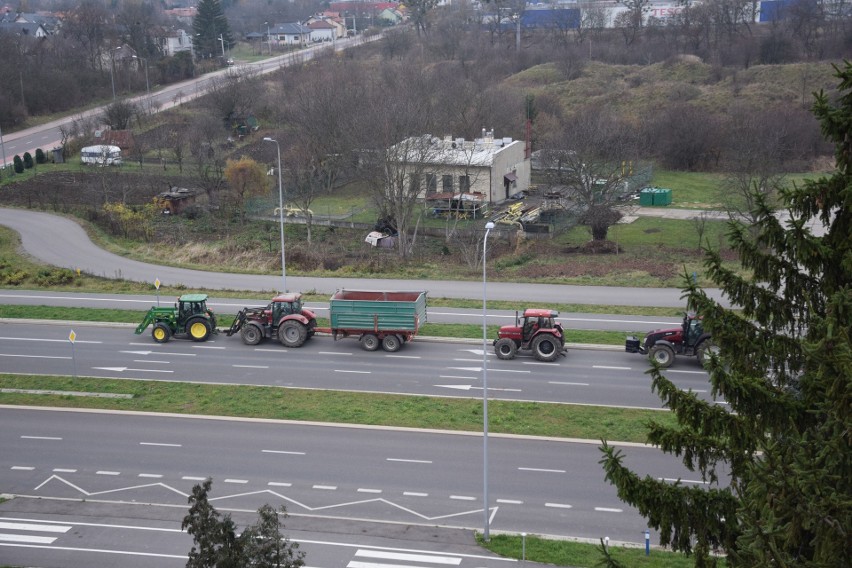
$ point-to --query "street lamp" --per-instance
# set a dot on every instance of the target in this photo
(485, 533)
(268, 39)
(222, 41)
(280, 215)
(111, 69)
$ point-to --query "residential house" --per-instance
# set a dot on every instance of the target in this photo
(183, 15)
(171, 42)
(23, 29)
(390, 17)
(49, 22)
(322, 30)
(332, 18)
(485, 170)
(290, 34)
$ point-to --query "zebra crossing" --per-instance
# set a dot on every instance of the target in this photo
(366, 558)
(31, 533)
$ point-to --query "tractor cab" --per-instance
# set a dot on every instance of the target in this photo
(285, 305)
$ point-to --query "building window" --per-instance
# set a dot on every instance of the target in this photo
(431, 183)
(464, 184)
(414, 183)
(447, 183)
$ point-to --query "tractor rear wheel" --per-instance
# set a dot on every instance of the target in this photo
(663, 355)
(545, 348)
(370, 342)
(505, 348)
(161, 332)
(705, 350)
(391, 343)
(292, 334)
(251, 334)
(199, 329)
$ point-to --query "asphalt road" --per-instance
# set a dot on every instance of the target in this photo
(423, 367)
(61, 242)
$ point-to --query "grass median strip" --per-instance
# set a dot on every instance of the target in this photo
(457, 414)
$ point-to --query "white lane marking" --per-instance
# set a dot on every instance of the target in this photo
(542, 363)
(407, 460)
(458, 377)
(40, 438)
(279, 484)
(240, 481)
(559, 505)
(207, 347)
(469, 387)
(430, 558)
(672, 480)
(364, 490)
(62, 470)
(191, 478)
(103, 472)
(334, 353)
(22, 468)
(98, 550)
(151, 475)
(282, 452)
(414, 494)
(403, 356)
(266, 350)
(462, 498)
(608, 510)
(33, 356)
(122, 369)
(46, 340)
(351, 371)
(27, 538)
(251, 366)
(510, 501)
(686, 372)
(325, 487)
(151, 361)
(568, 384)
(541, 470)
(161, 444)
(172, 353)
(35, 527)
(611, 368)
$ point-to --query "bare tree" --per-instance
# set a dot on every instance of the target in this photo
(233, 95)
(589, 159)
(208, 137)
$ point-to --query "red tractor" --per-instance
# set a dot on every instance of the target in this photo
(284, 319)
(539, 333)
(689, 339)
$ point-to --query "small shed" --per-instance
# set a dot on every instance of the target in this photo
(175, 200)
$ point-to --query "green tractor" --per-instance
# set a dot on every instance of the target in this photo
(189, 315)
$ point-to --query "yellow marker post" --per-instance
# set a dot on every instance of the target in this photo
(71, 337)
(157, 286)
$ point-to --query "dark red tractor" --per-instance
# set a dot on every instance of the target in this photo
(662, 345)
(538, 332)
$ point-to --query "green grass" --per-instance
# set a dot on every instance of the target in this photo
(581, 555)
(453, 414)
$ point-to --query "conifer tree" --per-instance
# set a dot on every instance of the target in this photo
(209, 25)
(778, 458)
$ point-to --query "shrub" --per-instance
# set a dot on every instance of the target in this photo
(40, 158)
(28, 160)
(12, 277)
(18, 164)
(53, 276)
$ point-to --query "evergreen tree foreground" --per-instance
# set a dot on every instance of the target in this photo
(216, 543)
(777, 459)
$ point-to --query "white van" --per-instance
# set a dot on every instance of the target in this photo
(101, 155)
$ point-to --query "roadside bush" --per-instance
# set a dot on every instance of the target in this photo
(40, 158)
(18, 164)
(53, 276)
(28, 160)
(13, 277)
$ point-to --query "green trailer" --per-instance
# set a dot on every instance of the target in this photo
(189, 316)
(377, 318)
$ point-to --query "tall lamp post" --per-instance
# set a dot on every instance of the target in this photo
(486, 532)
(268, 38)
(280, 215)
(112, 70)
(147, 84)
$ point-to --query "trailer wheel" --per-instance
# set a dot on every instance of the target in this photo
(370, 342)
(391, 343)
(545, 348)
(161, 332)
(292, 334)
(251, 334)
(663, 355)
(199, 329)
(505, 348)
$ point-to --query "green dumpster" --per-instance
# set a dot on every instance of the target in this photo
(662, 197)
(646, 197)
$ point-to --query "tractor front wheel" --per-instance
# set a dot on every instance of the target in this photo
(545, 348)
(292, 334)
(370, 342)
(505, 348)
(161, 332)
(251, 334)
(663, 355)
(199, 329)
(391, 343)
